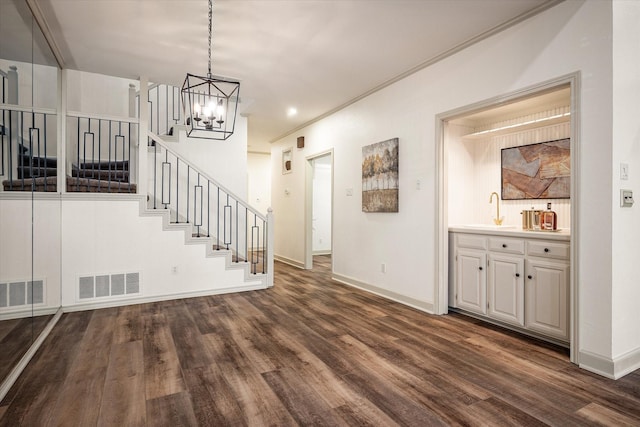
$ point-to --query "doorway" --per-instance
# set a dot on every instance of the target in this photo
(318, 206)
(450, 206)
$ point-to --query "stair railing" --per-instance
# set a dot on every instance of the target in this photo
(102, 158)
(193, 197)
(29, 139)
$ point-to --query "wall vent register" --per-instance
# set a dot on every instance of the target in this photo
(108, 285)
(20, 293)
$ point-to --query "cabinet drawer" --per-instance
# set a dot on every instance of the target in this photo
(556, 250)
(471, 241)
(506, 245)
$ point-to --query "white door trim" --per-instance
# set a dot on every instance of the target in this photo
(308, 207)
(440, 296)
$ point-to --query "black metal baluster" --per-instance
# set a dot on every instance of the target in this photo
(166, 166)
(177, 190)
(157, 131)
(264, 245)
(197, 189)
(188, 173)
(3, 134)
(225, 223)
(21, 139)
(155, 174)
(237, 236)
(46, 162)
(246, 237)
(78, 162)
(208, 207)
(166, 108)
(129, 164)
(33, 175)
(11, 131)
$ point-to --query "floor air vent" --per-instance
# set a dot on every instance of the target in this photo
(108, 285)
(21, 293)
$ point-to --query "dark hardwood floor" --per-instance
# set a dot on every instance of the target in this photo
(309, 351)
(16, 336)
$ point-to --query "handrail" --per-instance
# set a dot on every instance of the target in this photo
(102, 117)
(160, 142)
(3, 73)
(14, 107)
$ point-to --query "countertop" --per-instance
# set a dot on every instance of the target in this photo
(562, 234)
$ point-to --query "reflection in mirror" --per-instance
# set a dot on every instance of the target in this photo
(29, 260)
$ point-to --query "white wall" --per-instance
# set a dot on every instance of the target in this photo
(17, 261)
(321, 215)
(102, 237)
(223, 161)
(98, 94)
(259, 181)
(474, 173)
(626, 149)
(572, 36)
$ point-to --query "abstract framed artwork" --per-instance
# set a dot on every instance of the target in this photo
(537, 171)
(380, 176)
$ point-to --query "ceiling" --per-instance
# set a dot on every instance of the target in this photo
(312, 55)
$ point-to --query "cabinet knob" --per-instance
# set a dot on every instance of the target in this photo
(546, 249)
(480, 268)
(517, 274)
(530, 276)
(504, 245)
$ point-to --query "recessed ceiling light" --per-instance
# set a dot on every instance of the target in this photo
(292, 112)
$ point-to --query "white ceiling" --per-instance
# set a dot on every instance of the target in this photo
(314, 55)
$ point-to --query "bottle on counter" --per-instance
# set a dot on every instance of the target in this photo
(548, 219)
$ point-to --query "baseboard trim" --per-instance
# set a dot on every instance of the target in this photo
(158, 298)
(399, 298)
(614, 368)
(597, 364)
(24, 361)
(327, 252)
(291, 262)
(21, 314)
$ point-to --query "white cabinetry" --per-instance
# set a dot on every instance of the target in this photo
(472, 280)
(519, 281)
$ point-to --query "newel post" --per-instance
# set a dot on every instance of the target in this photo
(270, 244)
(143, 126)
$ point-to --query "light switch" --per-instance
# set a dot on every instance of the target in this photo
(626, 198)
(349, 191)
(624, 171)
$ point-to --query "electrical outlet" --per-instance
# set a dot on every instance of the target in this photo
(174, 269)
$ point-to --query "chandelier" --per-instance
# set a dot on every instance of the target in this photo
(210, 103)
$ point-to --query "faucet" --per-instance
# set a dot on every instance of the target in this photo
(497, 220)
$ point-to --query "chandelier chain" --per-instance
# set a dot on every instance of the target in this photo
(210, 30)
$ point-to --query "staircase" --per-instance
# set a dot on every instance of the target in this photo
(36, 173)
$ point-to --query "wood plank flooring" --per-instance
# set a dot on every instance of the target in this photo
(16, 336)
(309, 351)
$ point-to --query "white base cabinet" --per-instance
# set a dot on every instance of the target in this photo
(517, 281)
(506, 289)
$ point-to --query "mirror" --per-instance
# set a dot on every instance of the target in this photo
(29, 297)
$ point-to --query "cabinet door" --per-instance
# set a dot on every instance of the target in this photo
(506, 288)
(471, 280)
(547, 296)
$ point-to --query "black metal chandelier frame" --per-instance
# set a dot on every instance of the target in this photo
(210, 103)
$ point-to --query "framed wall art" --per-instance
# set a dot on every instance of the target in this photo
(287, 159)
(537, 171)
(380, 176)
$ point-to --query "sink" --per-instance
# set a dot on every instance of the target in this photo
(489, 226)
